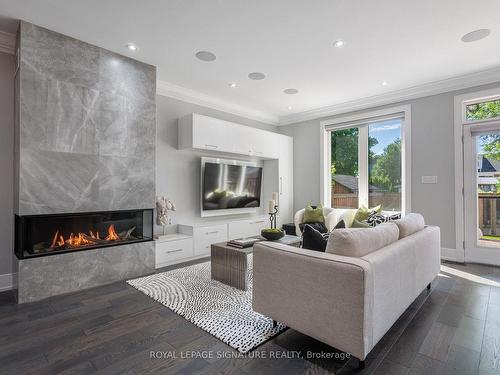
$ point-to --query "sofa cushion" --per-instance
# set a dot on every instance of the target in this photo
(314, 214)
(410, 224)
(357, 242)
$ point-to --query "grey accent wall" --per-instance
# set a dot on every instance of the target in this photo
(6, 162)
(432, 139)
(87, 126)
(178, 171)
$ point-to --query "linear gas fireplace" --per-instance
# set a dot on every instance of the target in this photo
(40, 235)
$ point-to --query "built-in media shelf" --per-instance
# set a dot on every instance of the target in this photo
(219, 138)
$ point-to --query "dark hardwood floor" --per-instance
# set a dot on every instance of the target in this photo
(453, 329)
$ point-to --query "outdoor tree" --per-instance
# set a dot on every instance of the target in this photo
(344, 151)
(481, 111)
(386, 170)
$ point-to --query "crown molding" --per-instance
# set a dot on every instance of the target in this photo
(427, 89)
(191, 96)
(7, 42)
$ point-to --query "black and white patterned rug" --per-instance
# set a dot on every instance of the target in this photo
(217, 308)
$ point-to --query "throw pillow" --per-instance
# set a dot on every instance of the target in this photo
(363, 212)
(360, 224)
(340, 225)
(375, 218)
(314, 214)
(320, 227)
(314, 240)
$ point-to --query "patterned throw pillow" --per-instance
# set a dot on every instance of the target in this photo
(375, 218)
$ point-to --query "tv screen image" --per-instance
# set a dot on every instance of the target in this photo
(229, 186)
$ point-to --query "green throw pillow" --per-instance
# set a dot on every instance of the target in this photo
(314, 215)
(360, 224)
(362, 213)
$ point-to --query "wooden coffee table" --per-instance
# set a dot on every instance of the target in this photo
(229, 264)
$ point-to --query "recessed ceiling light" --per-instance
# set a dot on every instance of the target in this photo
(232, 85)
(476, 35)
(384, 83)
(289, 107)
(290, 91)
(256, 76)
(339, 43)
(205, 56)
(131, 47)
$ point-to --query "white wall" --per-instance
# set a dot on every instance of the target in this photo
(432, 154)
(178, 171)
(6, 165)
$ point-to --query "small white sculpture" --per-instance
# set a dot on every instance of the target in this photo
(163, 207)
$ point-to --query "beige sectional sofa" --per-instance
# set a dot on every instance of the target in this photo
(350, 295)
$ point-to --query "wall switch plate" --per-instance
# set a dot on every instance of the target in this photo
(429, 179)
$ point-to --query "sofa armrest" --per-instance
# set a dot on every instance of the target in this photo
(322, 295)
(298, 219)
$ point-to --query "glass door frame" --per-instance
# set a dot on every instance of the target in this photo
(468, 248)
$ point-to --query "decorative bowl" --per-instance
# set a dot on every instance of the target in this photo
(272, 234)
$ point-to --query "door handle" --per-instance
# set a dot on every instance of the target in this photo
(212, 146)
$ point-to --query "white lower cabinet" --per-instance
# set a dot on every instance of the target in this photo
(247, 228)
(194, 241)
(173, 249)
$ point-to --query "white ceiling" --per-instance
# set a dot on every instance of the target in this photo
(406, 43)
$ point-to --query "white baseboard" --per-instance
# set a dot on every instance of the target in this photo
(7, 281)
(452, 255)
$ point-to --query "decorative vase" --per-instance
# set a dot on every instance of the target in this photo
(272, 234)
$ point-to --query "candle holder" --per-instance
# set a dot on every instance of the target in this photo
(273, 216)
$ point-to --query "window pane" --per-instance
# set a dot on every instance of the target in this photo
(344, 168)
(483, 111)
(384, 156)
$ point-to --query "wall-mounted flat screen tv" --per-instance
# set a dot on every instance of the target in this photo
(230, 187)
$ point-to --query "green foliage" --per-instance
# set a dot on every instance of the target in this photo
(484, 110)
(497, 186)
(344, 151)
(386, 170)
(491, 145)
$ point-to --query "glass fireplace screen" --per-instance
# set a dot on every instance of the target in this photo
(38, 235)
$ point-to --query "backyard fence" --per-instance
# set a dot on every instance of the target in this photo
(388, 201)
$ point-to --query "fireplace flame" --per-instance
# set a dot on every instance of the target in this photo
(83, 239)
(112, 236)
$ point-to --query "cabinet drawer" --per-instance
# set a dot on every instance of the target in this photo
(250, 228)
(209, 233)
(173, 250)
(204, 248)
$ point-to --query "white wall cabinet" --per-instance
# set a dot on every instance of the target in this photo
(207, 133)
(285, 182)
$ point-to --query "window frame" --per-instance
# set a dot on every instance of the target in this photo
(478, 100)
(362, 120)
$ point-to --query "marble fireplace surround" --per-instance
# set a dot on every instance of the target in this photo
(85, 141)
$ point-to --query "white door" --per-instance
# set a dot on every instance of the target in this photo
(482, 192)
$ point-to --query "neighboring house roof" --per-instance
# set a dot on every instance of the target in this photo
(351, 182)
(488, 164)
